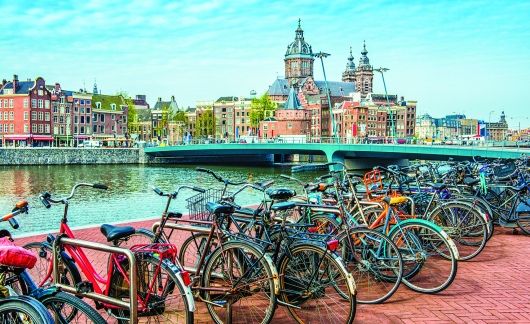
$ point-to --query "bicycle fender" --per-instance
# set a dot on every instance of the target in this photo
(349, 276)
(41, 293)
(435, 227)
(187, 290)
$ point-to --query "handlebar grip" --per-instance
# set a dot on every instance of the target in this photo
(199, 189)
(158, 191)
(13, 222)
(100, 186)
(44, 200)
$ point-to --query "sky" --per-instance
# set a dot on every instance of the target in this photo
(470, 57)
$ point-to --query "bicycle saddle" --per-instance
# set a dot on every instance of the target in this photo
(280, 193)
(215, 208)
(283, 205)
(113, 233)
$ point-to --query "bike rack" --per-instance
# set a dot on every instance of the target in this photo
(132, 305)
(188, 228)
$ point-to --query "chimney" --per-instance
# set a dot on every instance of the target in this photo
(57, 87)
(15, 83)
(4, 81)
(159, 99)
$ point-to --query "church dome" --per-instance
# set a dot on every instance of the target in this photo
(363, 60)
(350, 66)
(299, 47)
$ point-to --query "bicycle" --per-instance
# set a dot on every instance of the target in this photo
(64, 308)
(163, 292)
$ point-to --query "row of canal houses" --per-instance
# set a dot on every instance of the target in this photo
(33, 113)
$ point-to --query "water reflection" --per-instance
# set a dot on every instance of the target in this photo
(129, 197)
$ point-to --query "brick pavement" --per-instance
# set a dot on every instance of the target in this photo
(492, 288)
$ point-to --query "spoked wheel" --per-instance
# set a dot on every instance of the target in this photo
(375, 263)
(524, 223)
(424, 247)
(239, 285)
(465, 225)
(42, 271)
(191, 250)
(23, 310)
(316, 285)
(160, 294)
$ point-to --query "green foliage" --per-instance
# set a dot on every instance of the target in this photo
(180, 116)
(132, 114)
(261, 108)
(204, 125)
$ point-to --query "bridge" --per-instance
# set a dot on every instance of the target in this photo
(337, 152)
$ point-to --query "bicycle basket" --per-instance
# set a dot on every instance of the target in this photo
(15, 256)
(197, 204)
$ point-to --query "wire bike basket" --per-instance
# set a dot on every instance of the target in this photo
(197, 204)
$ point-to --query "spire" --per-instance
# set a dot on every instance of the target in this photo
(350, 66)
(363, 60)
(292, 101)
(299, 46)
(299, 30)
(95, 90)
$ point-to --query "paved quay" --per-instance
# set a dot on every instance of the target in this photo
(493, 288)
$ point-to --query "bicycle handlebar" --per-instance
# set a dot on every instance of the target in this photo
(219, 178)
(20, 208)
(46, 197)
(174, 195)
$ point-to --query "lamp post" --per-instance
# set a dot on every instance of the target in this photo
(488, 126)
(392, 122)
(321, 55)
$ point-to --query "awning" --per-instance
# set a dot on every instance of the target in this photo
(16, 137)
(42, 137)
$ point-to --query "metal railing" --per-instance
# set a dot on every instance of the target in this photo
(132, 305)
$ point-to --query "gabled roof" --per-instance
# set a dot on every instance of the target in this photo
(229, 99)
(106, 101)
(280, 87)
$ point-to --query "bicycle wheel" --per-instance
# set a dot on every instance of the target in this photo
(67, 308)
(375, 263)
(523, 221)
(465, 225)
(424, 247)
(316, 284)
(42, 271)
(191, 250)
(324, 223)
(161, 297)
(238, 284)
(23, 310)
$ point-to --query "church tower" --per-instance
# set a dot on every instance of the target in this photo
(298, 58)
(364, 74)
(349, 74)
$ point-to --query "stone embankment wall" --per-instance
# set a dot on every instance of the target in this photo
(47, 156)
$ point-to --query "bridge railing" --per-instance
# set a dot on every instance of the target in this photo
(354, 140)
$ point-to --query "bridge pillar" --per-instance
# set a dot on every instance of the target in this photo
(334, 156)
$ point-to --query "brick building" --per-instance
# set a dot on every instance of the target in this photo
(109, 119)
(25, 112)
(61, 101)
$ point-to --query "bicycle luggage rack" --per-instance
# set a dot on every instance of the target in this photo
(188, 228)
(132, 305)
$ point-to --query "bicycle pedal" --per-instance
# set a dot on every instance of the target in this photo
(84, 287)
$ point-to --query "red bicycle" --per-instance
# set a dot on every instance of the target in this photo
(162, 288)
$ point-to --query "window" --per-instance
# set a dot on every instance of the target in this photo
(47, 128)
(76, 109)
(112, 128)
(41, 92)
(6, 116)
(34, 128)
(6, 128)
(61, 119)
(82, 119)
(95, 117)
(98, 105)
(95, 129)
(47, 116)
(26, 102)
(33, 115)
(41, 115)
(11, 115)
(82, 110)
(33, 103)
(113, 117)
(55, 119)
(102, 118)
(67, 109)
(1, 117)
(88, 110)
(41, 128)
(11, 128)
(47, 104)
(75, 119)
(11, 103)
(5, 103)
(113, 106)
(54, 108)
(101, 129)
(75, 129)
(41, 104)
(1, 104)
(87, 102)
(82, 130)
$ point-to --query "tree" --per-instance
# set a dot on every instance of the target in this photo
(132, 114)
(261, 108)
(204, 125)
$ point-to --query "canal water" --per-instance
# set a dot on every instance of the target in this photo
(129, 197)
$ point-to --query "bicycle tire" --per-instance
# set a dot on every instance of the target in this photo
(69, 274)
(84, 313)
(191, 250)
(120, 289)
(465, 225)
(33, 311)
(418, 232)
(376, 269)
(307, 294)
(237, 253)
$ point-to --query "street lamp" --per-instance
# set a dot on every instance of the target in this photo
(321, 56)
(393, 125)
(488, 137)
